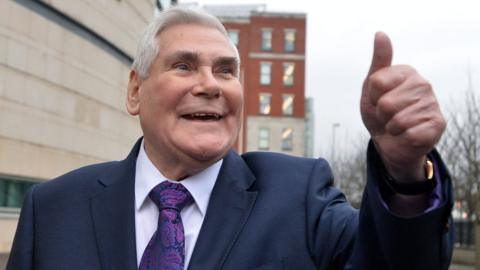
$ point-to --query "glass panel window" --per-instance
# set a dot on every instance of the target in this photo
(13, 191)
(287, 139)
(264, 101)
(263, 139)
(288, 73)
(234, 36)
(289, 40)
(265, 73)
(266, 39)
(287, 105)
(163, 4)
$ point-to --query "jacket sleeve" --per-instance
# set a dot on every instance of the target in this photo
(22, 253)
(341, 237)
(332, 222)
(387, 241)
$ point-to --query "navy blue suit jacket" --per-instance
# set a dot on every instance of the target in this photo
(267, 211)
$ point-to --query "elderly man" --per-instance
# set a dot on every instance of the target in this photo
(183, 199)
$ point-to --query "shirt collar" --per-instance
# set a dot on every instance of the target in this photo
(200, 185)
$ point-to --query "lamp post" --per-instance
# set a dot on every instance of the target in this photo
(334, 127)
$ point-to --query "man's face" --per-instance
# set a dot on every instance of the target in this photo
(190, 105)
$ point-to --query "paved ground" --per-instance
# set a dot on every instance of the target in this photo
(3, 260)
(461, 267)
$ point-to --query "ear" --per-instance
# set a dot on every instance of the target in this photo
(133, 93)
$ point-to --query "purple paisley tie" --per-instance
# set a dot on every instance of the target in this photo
(166, 249)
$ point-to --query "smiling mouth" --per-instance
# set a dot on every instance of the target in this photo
(203, 116)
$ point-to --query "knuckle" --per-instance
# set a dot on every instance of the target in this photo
(414, 138)
(386, 105)
(375, 80)
(419, 82)
(379, 79)
(423, 84)
(397, 125)
(443, 125)
(440, 124)
(407, 69)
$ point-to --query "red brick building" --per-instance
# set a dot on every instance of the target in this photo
(272, 51)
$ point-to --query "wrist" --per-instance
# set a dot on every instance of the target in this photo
(414, 171)
(412, 187)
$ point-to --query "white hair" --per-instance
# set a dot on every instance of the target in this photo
(148, 47)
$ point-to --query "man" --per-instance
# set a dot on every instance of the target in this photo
(255, 211)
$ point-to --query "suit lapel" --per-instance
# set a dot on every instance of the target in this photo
(113, 215)
(228, 210)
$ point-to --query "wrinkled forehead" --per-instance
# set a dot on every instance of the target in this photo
(195, 38)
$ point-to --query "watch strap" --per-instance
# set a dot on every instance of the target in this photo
(412, 188)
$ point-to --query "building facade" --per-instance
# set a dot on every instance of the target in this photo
(309, 127)
(272, 50)
(64, 69)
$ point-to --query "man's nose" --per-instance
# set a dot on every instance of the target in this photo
(208, 85)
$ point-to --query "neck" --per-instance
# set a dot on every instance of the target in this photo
(173, 167)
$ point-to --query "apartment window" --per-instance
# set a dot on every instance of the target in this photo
(287, 104)
(267, 39)
(288, 73)
(287, 139)
(12, 191)
(234, 36)
(265, 73)
(264, 101)
(289, 40)
(263, 139)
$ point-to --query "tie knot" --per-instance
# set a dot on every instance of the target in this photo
(167, 195)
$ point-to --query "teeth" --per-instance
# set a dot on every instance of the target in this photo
(205, 115)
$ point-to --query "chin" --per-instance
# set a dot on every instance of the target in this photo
(209, 152)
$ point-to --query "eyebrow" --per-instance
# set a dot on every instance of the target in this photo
(183, 56)
(229, 61)
(193, 57)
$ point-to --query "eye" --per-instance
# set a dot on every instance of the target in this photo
(181, 66)
(227, 70)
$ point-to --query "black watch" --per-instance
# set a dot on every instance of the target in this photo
(412, 188)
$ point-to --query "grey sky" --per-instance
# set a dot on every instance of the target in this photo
(441, 39)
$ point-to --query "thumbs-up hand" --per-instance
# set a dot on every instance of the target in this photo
(400, 111)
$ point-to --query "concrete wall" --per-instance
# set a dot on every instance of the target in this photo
(62, 97)
(118, 21)
(8, 222)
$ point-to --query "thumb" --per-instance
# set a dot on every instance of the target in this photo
(382, 52)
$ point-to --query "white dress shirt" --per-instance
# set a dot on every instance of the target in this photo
(147, 176)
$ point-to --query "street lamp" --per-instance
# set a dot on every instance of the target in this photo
(334, 127)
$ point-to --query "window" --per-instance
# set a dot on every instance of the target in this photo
(289, 40)
(287, 139)
(288, 72)
(12, 191)
(163, 4)
(234, 36)
(266, 39)
(287, 105)
(265, 73)
(264, 101)
(263, 139)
